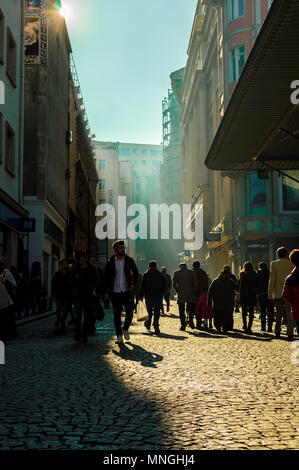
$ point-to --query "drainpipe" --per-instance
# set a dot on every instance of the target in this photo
(21, 109)
(21, 119)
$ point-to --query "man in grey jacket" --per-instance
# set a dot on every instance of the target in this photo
(185, 283)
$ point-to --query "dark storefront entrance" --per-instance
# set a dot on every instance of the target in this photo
(257, 251)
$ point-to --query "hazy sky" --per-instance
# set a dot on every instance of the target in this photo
(125, 51)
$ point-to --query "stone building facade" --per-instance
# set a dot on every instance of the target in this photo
(245, 217)
(12, 213)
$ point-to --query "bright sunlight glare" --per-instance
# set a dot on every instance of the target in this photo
(71, 13)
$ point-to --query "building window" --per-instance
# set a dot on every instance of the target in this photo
(3, 240)
(235, 9)
(134, 151)
(134, 162)
(102, 201)
(144, 152)
(11, 58)
(156, 153)
(1, 37)
(290, 192)
(102, 164)
(143, 162)
(237, 62)
(124, 152)
(102, 185)
(110, 196)
(257, 195)
(10, 150)
(156, 163)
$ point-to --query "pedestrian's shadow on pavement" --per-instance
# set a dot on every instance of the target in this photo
(206, 334)
(255, 336)
(165, 335)
(138, 354)
(170, 316)
(58, 379)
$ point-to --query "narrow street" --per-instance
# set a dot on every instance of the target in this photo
(182, 390)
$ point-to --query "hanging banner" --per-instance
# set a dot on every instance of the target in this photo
(36, 32)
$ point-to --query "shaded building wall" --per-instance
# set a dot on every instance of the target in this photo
(46, 120)
(82, 167)
(12, 111)
(11, 124)
(46, 149)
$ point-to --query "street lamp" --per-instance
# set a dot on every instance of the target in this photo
(94, 180)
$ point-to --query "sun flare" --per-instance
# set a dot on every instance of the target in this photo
(71, 13)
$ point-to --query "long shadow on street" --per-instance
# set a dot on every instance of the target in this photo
(60, 395)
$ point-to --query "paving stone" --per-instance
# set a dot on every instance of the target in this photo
(190, 390)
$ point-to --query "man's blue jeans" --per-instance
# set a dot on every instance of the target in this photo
(153, 306)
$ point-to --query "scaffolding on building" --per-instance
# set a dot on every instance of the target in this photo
(170, 120)
(79, 96)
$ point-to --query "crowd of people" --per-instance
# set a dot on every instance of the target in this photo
(80, 290)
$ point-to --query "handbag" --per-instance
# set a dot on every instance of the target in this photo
(142, 313)
(97, 309)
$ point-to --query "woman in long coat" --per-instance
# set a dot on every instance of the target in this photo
(248, 295)
(221, 296)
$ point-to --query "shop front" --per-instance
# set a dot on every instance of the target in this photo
(257, 250)
(12, 239)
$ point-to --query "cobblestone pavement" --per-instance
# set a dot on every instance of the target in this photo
(182, 390)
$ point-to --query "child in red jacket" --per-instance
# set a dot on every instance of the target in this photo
(291, 288)
(204, 311)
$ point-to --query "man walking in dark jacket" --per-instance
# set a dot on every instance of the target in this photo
(152, 288)
(185, 283)
(62, 283)
(235, 280)
(121, 276)
(98, 292)
(83, 286)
